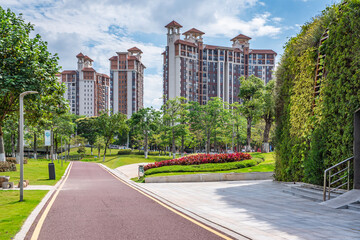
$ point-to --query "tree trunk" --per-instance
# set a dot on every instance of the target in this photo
(146, 145)
(91, 149)
(182, 145)
(13, 136)
(52, 147)
(99, 153)
(208, 143)
(215, 143)
(265, 147)
(238, 139)
(173, 149)
(232, 138)
(2, 148)
(69, 149)
(18, 147)
(248, 134)
(104, 152)
(35, 146)
(56, 146)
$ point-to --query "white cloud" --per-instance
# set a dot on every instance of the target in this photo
(99, 29)
(152, 96)
(276, 19)
(230, 26)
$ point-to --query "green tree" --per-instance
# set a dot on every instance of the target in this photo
(145, 122)
(239, 126)
(80, 143)
(176, 116)
(88, 128)
(251, 89)
(26, 65)
(268, 113)
(207, 117)
(99, 144)
(110, 125)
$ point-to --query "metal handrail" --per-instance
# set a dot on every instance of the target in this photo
(328, 176)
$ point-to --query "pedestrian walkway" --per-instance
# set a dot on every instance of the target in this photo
(260, 210)
(130, 170)
(93, 204)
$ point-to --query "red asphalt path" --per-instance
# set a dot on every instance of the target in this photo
(95, 205)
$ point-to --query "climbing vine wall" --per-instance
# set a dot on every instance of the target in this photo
(311, 137)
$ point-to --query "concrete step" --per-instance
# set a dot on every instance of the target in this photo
(313, 194)
(354, 206)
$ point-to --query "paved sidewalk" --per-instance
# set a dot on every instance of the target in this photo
(260, 210)
(131, 170)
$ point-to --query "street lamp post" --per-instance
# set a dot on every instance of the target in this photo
(21, 137)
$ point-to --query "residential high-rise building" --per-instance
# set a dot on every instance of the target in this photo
(199, 72)
(87, 91)
(127, 82)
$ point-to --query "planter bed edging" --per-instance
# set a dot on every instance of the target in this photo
(211, 177)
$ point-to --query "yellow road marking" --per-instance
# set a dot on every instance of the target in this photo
(172, 209)
(39, 225)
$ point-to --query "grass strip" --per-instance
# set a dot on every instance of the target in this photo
(14, 213)
(37, 172)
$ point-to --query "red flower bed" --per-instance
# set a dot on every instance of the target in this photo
(201, 159)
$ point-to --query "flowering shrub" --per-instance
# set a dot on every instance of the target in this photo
(201, 159)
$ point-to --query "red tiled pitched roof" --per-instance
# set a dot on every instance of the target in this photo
(88, 70)
(87, 58)
(134, 49)
(241, 36)
(68, 71)
(263, 51)
(113, 58)
(193, 30)
(80, 55)
(173, 24)
(185, 43)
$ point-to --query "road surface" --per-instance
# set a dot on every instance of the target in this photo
(93, 204)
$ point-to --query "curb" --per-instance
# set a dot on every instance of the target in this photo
(211, 177)
(199, 218)
(31, 218)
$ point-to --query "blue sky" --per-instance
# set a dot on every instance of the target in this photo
(101, 28)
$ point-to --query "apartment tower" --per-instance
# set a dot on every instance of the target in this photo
(87, 91)
(127, 82)
(199, 72)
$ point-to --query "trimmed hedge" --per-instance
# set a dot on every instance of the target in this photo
(124, 152)
(13, 160)
(7, 167)
(309, 140)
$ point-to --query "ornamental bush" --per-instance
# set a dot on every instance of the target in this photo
(7, 167)
(201, 159)
(124, 152)
(310, 138)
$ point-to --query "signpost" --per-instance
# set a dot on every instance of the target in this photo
(47, 138)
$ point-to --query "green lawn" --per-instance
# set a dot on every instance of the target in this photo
(36, 171)
(114, 160)
(266, 164)
(13, 213)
